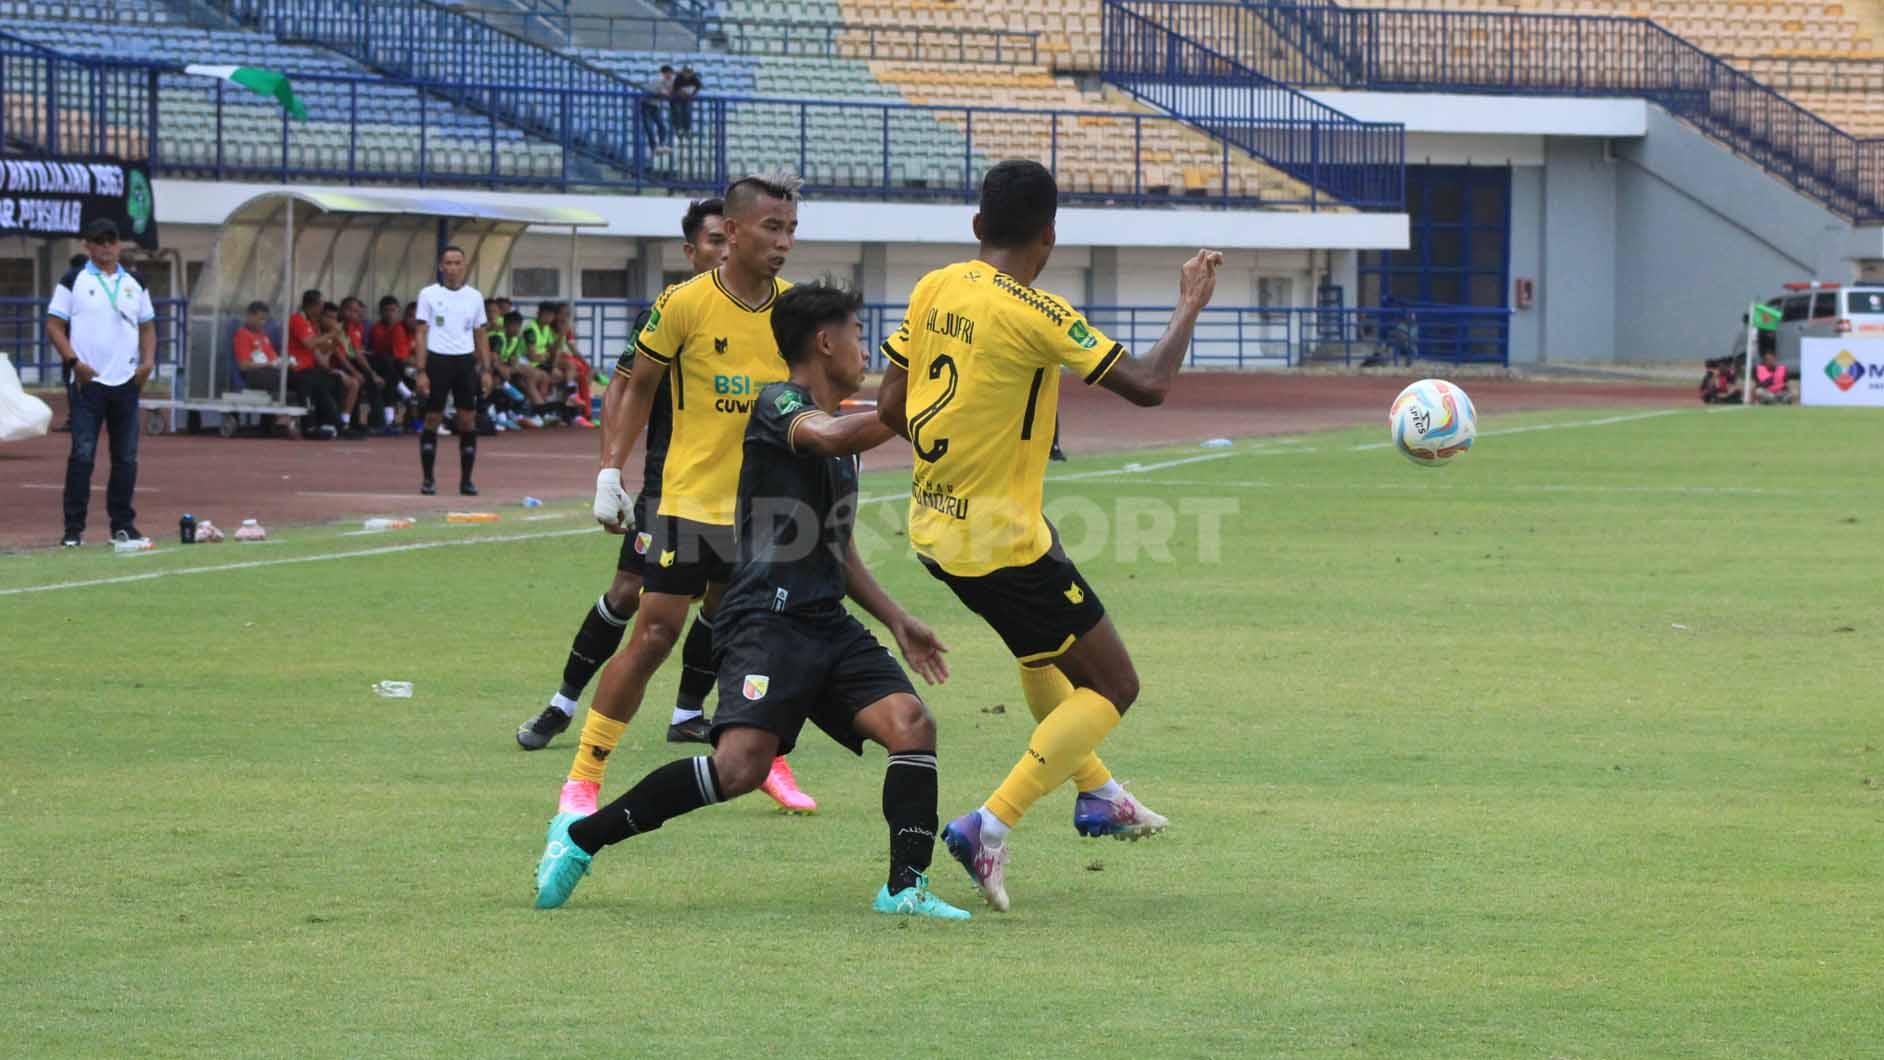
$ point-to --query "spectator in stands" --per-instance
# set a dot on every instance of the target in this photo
(655, 96)
(680, 107)
(1770, 385)
(307, 366)
(389, 351)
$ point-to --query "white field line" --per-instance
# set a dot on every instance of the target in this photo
(383, 550)
(1573, 425)
(1475, 487)
(499, 539)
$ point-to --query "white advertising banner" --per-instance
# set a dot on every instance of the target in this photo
(1844, 371)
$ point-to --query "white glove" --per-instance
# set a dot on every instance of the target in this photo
(611, 501)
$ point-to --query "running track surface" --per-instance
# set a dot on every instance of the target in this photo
(283, 482)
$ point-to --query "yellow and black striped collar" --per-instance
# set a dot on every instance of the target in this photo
(733, 298)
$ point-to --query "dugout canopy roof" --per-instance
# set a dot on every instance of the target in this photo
(364, 243)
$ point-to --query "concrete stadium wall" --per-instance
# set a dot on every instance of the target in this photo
(1649, 248)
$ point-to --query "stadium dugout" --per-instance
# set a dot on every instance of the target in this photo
(277, 244)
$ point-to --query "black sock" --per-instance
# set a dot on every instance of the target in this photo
(467, 454)
(909, 785)
(696, 665)
(676, 788)
(598, 638)
(428, 450)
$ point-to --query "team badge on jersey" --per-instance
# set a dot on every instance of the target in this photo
(654, 321)
(755, 686)
(719, 345)
(1081, 334)
(787, 403)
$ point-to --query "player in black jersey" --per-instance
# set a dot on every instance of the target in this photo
(787, 649)
(602, 628)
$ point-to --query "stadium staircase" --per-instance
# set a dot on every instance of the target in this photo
(1589, 52)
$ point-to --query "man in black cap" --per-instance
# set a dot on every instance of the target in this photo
(104, 329)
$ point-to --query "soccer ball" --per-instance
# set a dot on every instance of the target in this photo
(1432, 422)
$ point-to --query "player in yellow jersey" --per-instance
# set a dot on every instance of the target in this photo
(712, 337)
(974, 384)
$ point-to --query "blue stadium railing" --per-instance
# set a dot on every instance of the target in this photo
(23, 335)
(465, 60)
(897, 164)
(1329, 46)
(63, 105)
(1228, 337)
(1357, 163)
(791, 38)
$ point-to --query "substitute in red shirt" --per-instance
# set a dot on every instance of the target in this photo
(302, 332)
(389, 338)
(255, 353)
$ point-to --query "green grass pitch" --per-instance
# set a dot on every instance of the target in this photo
(1569, 750)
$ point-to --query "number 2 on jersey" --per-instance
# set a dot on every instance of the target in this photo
(933, 450)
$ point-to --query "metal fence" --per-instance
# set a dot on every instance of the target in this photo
(770, 37)
(1322, 45)
(1352, 162)
(891, 151)
(1226, 337)
(62, 105)
(23, 335)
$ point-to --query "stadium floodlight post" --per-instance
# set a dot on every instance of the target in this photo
(1753, 331)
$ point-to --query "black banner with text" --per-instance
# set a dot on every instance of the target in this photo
(56, 197)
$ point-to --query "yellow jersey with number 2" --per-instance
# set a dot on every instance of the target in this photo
(984, 352)
(718, 353)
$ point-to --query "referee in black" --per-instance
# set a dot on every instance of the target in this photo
(453, 361)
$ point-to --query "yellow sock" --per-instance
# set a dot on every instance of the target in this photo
(1046, 688)
(1059, 744)
(599, 737)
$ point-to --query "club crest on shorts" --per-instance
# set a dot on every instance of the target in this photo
(642, 541)
(667, 557)
(755, 686)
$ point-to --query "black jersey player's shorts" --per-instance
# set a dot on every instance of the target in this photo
(683, 556)
(635, 543)
(455, 377)
(778, 671)
(1038, 610)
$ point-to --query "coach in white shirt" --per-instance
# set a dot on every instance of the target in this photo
(453, 361)
(104, 329)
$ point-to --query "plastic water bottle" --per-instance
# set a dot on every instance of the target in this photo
(388, 524)
(1216, 443)
(532, 502)
(186, 529)
(393, 689)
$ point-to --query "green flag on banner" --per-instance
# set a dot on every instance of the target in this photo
(1765, 317)
(271, 83)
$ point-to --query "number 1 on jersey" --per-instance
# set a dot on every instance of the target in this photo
(934, 450)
